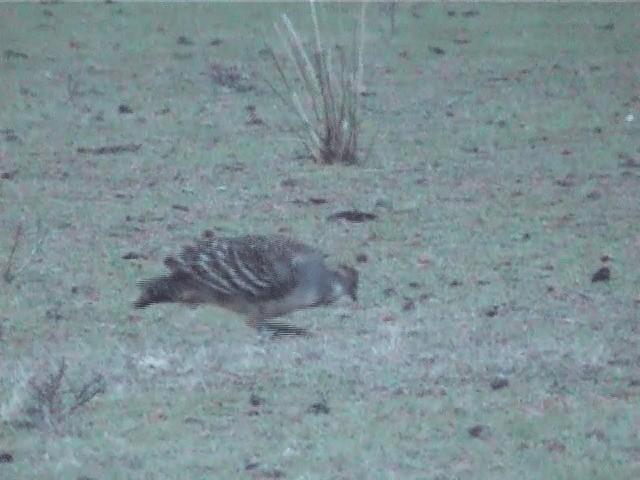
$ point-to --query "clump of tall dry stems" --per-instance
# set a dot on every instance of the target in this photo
(328, 104)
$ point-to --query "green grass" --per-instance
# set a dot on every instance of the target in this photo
(464, 178)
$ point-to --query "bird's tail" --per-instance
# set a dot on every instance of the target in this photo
(179, 286)
(158, 290)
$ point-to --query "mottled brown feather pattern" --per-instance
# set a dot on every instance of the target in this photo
(258, 276)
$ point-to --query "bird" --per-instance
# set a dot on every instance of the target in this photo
(258, 276)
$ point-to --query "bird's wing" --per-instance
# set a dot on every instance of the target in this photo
(251, 267)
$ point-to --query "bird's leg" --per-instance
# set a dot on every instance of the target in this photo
(276, 329)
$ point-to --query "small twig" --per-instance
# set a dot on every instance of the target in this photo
(91, 389)
(72, 88)
(45, 391)
(52, 404)
(46, 394)
(110, 149)
(7, 275)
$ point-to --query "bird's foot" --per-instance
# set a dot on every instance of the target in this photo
(278, 330)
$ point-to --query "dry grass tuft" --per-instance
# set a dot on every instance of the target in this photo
(52, 404)
(328, 105)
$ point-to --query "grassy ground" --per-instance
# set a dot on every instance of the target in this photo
(506, 172)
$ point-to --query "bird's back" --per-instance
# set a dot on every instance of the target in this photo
(257, 276)
(251, 267)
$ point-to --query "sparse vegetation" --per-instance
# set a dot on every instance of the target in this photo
(52, 404)
(328, 104)
(9, 272)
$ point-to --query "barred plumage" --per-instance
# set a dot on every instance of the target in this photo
(258, 276)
